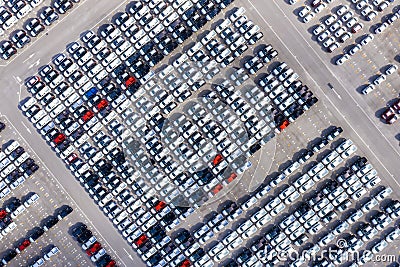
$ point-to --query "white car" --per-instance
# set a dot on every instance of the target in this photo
(323, 35)
(391, 69)
(381, 28)
(235, 243)
(330, 19)
(221, 255)
(342, 59)
(304, 11)
(368, 89)
(308, 17)
(51, 253)
(319, 29)
(380, 79)
(328, 42)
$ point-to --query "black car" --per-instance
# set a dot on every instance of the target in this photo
(63, 212)
(13, 205)
(82, 238)
(153, 260)
(359, 163)
(103, 261)
(50, 223)
(78, 230)
(258, 244)
(182, 236)
(189, 13)
(244, 256)
(167, 219)
(158, 237)
(2, 126)
(9, 256)
(254, 148)
(197, 255)
(231, 263)
(36, 233)
(329, 187)
(273, 232)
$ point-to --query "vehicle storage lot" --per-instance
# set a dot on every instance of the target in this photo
(316, 116)
(362, 68)
(44, 184)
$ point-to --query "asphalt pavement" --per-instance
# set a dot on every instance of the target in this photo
(89, 14)
(281, 28)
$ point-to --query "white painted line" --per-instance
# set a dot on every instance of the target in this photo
(333, 75)
(65, 191)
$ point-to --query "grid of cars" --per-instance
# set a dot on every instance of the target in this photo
(16, 166)
(93, 248)
(380, 78)
(16, 10)
(336, 28)
(317, 212)
(343, 23)
(12, 210)
(101, 107)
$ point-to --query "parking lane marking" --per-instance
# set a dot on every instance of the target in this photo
(338, 80)
(52, 176)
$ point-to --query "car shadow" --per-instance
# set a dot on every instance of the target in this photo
(361, 87)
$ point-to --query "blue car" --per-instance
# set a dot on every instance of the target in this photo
(91, 93)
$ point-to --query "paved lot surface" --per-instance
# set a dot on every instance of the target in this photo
(52, 197)
(342, 106)
(90, 13)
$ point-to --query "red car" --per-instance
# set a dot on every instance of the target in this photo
(284, 125)
(389, 112)
(71, 158)
(140, 241)
(102, 104)
(218, 158)
(130, 81)
(24, 245)
(217, 188)
(59, 139)
(185, 263)
(3, 214)
(93, 249)
(232, 177)
(392, 119)
(160, 205)
(111, 263)
(87, 116)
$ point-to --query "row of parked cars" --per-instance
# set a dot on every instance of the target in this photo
(218, 222)
(16, 166)
(13, 209)
(390, 69)
(80, 115)
(93, 248)
(361, 175)
(230, 212)
(33, 26)
(308, 12)
(337, 28)
(12, 11)
(391, 114)
(367, 10)
(390, 19)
